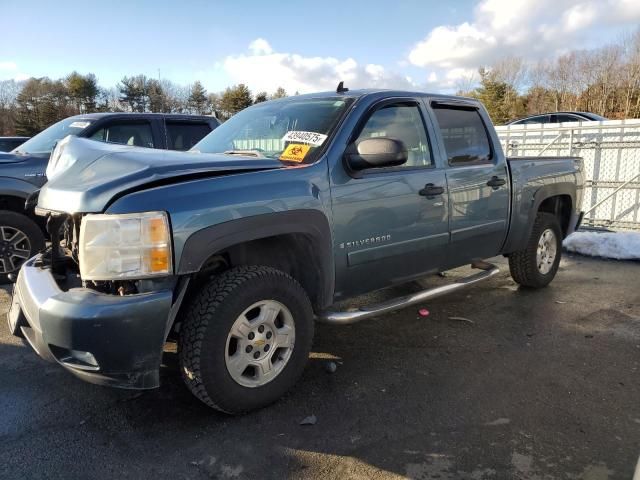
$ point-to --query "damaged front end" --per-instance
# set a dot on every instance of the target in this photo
(109, 332)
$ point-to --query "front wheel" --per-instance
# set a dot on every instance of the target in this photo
(537, 264)
(20, 239)
(245, 339)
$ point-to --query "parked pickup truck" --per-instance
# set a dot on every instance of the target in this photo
(234, 248)
(22, 172)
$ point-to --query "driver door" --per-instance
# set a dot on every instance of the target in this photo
(386, 228)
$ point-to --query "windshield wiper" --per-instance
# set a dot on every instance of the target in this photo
(245, 153)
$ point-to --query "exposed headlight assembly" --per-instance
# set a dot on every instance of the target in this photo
(125, 247)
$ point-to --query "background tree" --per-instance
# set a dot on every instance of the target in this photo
(279, 93)
(133, 92)
(156, 96)
(9, 90)
(83, 91)
(261, 97)
(198, 102)
(40, 103)
(234, 99)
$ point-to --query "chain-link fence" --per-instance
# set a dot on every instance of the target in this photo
(611, 153)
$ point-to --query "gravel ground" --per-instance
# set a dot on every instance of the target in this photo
(525, 384)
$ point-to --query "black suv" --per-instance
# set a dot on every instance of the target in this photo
(22, 234)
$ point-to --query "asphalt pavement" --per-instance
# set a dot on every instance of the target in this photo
(496, 382)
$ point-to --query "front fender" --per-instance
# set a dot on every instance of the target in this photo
(216, 238)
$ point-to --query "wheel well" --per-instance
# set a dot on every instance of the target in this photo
(560, 206)
(292, 253)
(16, 204)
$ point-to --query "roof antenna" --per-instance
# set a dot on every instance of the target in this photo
(341, 88)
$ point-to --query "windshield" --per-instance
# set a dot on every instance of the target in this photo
(290, 130)
(46, 140)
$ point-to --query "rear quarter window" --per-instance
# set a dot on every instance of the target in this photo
(464, 134)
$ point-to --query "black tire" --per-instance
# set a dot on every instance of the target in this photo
(523, 264)
(11, 222)
(202, 345)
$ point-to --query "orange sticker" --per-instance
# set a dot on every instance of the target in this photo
(295, 152)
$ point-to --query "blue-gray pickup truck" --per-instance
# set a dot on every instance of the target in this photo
(235, 248)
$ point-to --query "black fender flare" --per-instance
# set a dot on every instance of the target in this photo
(314, 223)
(14, 187)
(518, 235)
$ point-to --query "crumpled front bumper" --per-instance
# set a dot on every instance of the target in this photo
(104, 339)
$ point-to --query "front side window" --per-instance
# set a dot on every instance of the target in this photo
(291, 130)
(401, 122)
(131, 133)
(465, 137)
(184, 135)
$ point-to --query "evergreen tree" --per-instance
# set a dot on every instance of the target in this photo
(234, 99)
(82, 91)
(499, 98)
(133, 92)
(198, 99)
(261, 97)
(157, 97)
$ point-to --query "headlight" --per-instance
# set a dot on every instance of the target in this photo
(130, 246)
(59, 160)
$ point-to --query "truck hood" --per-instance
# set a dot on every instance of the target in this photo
(96, 172)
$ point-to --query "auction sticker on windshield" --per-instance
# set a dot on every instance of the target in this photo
(295, 152)
(315, 139)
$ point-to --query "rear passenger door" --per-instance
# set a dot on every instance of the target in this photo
(184, 134)
(477, 180)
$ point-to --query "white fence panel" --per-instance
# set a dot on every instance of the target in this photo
(611, 153)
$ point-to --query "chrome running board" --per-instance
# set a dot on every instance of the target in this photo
(353, 316)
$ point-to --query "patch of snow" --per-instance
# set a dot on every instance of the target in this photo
(618, 245)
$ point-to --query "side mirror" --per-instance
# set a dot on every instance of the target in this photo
(375, 153)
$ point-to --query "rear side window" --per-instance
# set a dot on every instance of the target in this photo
(129, 133)
(184, 135)
(563, 117)
(465, 137)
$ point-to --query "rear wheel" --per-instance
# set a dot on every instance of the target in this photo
(536, 265)
(20, 239)
(245, 339)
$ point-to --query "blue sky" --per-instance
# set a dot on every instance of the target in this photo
(300, 45)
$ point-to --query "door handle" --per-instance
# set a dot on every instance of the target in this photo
(496, 182)
(430, 190)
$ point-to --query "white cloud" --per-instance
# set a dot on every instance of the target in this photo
(260, 46)
(264, 69)
(527, 28)
(9, 71)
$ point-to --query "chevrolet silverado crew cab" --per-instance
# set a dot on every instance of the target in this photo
(23, 170)
(234, 248)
